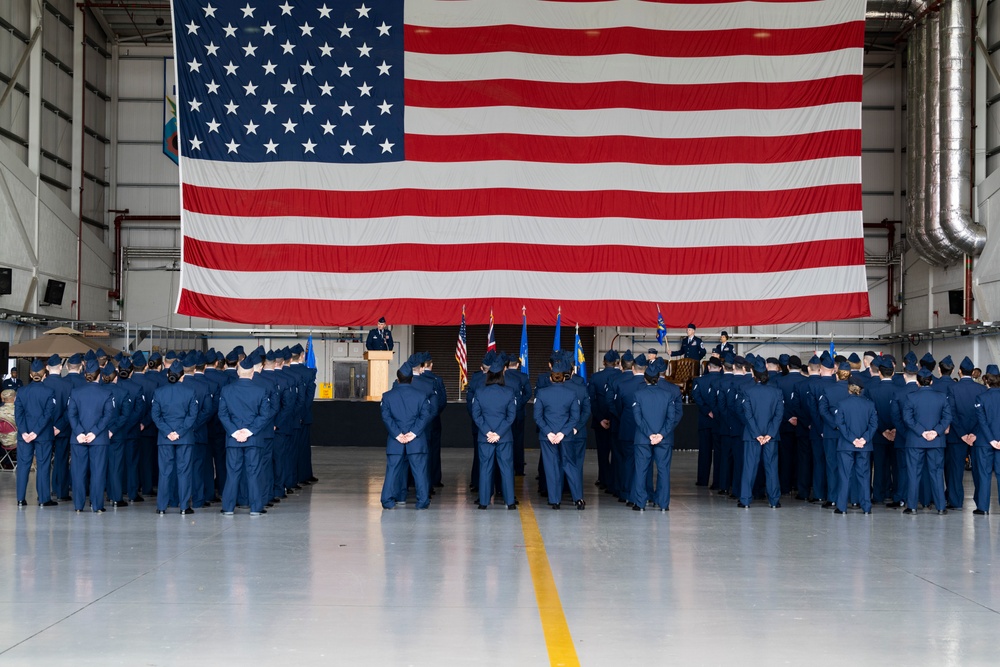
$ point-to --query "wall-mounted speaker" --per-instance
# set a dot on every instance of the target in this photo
(54, 293)
(6, 281)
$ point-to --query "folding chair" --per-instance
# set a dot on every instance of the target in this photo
(8, 445)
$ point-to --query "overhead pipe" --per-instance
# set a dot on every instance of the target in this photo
(122, 217)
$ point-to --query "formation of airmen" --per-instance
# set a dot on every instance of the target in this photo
(187, 427)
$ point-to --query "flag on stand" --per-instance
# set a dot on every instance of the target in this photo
(318, 146)
(581, 361)
(310, 353)
(833, 350)
(491, 343)
(661, 327)
(555, 344)
(461, 355)
(523, 355)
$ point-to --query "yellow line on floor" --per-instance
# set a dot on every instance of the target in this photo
(558, 641)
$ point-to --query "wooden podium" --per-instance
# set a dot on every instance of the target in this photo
(378, 373)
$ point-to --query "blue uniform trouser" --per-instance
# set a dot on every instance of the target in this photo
(617, 462)
(290, 454)
(60, 466)
(242, 461)
(832, 465)
(198, 490)
(43, 452)
(174, 459)
(987, 464)
(736, 447)
(552, 456)
(881, 479)
(932, 459)
(803, 463)
(517, 430)
(132, 467)
(148, 457)
(819, 467)
(217, 452)
(646, 457)
(603, 437)
(491, 456)
(902, 470)
(787, 449)
(304, 454)
(266, 470)
(954, 472)
(854, 471)
(474, 476)
(395, 475)
(704, 454)
(280, 461)
(753, 454)
(626, 467)
(716, 456)
(434, 451)
(84, 458)
(573, 451)
(116, 470)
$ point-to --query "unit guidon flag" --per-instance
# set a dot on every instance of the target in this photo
(341, 161)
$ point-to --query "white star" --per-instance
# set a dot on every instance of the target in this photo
(324, 12)
(269, 68)
(384, 68)
(195, 105)
(366, 128)
(363, 11)
(328, 127)
(194, 65)
(231, 107)
(289, 126)
(326, 89)
(309, 146)
(306, 29)
(250, 88)
(192, 28)
(213, 126)
(286, 8)
(307, 69)
(251, 127)
(364, 49)
(195, 143)
(345, 110)
(383, 30)
(213, 87)
(386, 146)
(287, 47)
(250, 50)
(271, 147)
(268, 28)
(289, 87)
(248, 11)
(209, 11)
(384, 107)
(307, 107)
(211, 48)
(325, 50)
(232, 146)
(269, 107)
(345, 31)
(348, 148)
(365, 89)
(345, 70)
(231, 68)
(230, 30)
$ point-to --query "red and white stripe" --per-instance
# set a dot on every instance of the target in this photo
(599, 156)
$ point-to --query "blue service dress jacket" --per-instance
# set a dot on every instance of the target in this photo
(244, 404)
(91, 410)
(987, 418)
(655, 411)
(691, 348)
(963, 396)
(856, 418)
(35, 412)
(174, 410)
(494, 410)
(406, 409)
(379, 340)
(926, 410)
(557, 410)
(763, 407)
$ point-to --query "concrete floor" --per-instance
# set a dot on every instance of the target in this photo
(329, 578)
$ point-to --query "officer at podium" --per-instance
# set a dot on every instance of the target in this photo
(379, 338)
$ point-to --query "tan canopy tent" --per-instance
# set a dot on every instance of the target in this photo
(62, 341)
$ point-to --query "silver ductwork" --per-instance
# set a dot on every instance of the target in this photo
(889, 16)
(916, 125)
(961, 233)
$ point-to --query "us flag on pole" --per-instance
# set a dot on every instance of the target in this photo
(346, 160)
(461, 355)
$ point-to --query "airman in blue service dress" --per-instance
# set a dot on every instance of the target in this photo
(601, 393)
(656, 414)
(926, 414)
(244, 412)
(701, 390)
(557, 412)
(881, 392)
(986, 447)
(118, 434)
(379, 338)
(521, 384)
(494, 410)
(91, 411)
(61, 387)
(856, 421)
(691, 347)
(624, 446)
(406, 413)
(724, 346)
(964, 420)
(763, 408)
(35, 412)
(174, 410)
(831, 396)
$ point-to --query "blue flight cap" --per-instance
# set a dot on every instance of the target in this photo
(156, 356)
(54, 360)
(139, 359)
(813, 360)
(429, 357)
(992, 370)
(171, 354)
(783, 359)
(406, 369)
(910, 356)
(740, 361)
(844, 367)
(641, 361)
(691, 326)
(190, 360)
(886, 362)
(91, 367)
(651, 371)
(498, 365)
(210, 352)
(75, 359)
(947, 362)
(270, 356)
(101, 353)
(714, 362)
(562, 366)
(232, 357)
(759, 365)
(750, 357)
(286, 352)
(889, 357)
(611, 356)
(924, 373)
(381, 320)
(729, 358)
(627, 356)
(967, 366)
(724, 333)
(90, 356)
(827, 362)
(176, 368)
(652, 350)
(248, 362)
(660, 364)
(773, 360)
(239, 350)
(854, 358)
(37, 366)
(414, 360)
(125, 364)
(117, 357)
(876, 363)
(928, 358)
(297, 349)
(910, 368)
(219, 356)
(489, 357)
(108, 371)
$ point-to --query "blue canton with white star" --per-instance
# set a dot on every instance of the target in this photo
(285, 81)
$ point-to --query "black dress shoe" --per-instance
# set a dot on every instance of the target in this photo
(138, 499)
(100, 511)
(838, 511)
(742, 506)
(161, 511)
(951, 507)
(800, 497)
(941, 512)
(439, 485)
(207, 504)
(22, 503)
(622, 500)
(636, 508)
(297, 487)
(909, 510)
(855, 506)
(722, 492)
(187, 511)
(289, 492)
(868, 513)
(892, 505)
(268, 504)
(215, 499)
(665, 509)
(65, 499)
(512, 507)
(483, 507)
(48, 503)
(828, 504)
(554, 506)
(815, 500)
(629, 503)
(979, 512)
(313, 480)
(776, 505)
(581, 505)
(119, 503)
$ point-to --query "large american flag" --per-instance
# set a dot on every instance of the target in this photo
(341, 161)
